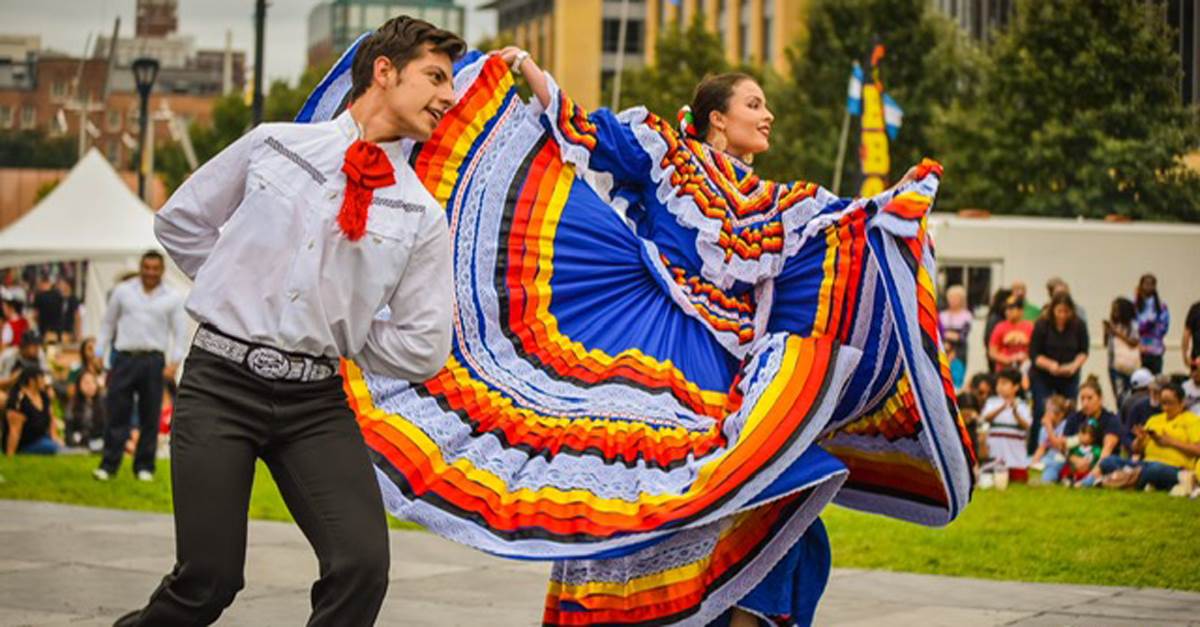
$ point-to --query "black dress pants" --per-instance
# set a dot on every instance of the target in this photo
(225, 418)
(138, 373)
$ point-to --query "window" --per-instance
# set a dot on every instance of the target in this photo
(612, 32)
(768, 20)
(6, 116)
(58, 90)
(28, 117)
(355, 16)
(974, 276)
(744, 32)
(722, 22)
(113, 120)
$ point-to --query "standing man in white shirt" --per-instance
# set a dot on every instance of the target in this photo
(297, 235)
(147, 330)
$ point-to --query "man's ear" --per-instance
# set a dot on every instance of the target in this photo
(383, 73)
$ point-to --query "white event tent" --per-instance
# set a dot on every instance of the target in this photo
(91, 215)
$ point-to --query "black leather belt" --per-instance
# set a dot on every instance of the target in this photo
(265, 361)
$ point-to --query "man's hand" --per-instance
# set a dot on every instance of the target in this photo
(169, 371)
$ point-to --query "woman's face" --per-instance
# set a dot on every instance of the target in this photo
(87, 349)
(747, 122)
(955, 300)
(1172, 405)
(87, 385)
(1089, 401)
(1062, 315)
(1147, 285)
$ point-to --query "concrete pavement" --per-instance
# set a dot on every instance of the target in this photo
(68, 565)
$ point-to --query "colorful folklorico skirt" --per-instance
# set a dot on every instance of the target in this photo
(589, 417)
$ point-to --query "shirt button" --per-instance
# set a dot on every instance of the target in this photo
(311, 244)
(293, 295)
(333, 195)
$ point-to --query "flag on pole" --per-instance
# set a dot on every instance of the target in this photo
(873, 147)
(893, 116)
(854, 91)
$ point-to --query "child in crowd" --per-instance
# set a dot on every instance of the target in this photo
(1008, 420)
(86, 413)
(1085, 453)
(1050, 457)
(958, 369)
(968, 409)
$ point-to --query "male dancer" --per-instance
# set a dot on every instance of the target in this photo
(296, 236)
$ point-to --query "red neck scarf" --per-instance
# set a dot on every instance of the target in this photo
(367, 168)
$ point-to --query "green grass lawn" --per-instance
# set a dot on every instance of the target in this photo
(1048, 534)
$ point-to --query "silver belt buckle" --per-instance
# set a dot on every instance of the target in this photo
(268, 363)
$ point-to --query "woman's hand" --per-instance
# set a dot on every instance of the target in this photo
(519, 61)
(909, 177)
(508, 53)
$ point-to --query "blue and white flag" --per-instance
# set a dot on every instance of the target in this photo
(893, 116)
(854, 91)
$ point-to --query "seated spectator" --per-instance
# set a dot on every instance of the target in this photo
(86, 415)
(1169, 445)
(1084, 454)
(29, 354)
(1091, 407)
(1120, 336)
(1153, 321)
(1137, 408)
(14, 324)
(1191, 391)
(1008, 421)
(1058, 348)
(29, 427)
(982, 387)
(956, 321)
(968, 409)
(1009, 345)
(1050, 456)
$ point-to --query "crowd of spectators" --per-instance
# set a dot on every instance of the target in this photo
(52, 383)
(1032, 409)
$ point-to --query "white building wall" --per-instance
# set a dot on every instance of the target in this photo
(1100, 261)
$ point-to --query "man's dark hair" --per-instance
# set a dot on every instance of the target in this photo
(152, 254)
(400, 39)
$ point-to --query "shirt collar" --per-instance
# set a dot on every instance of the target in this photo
(349, 129)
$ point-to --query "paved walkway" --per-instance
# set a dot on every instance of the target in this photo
(67, 565)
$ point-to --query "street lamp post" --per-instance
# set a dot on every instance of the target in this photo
(145, 70)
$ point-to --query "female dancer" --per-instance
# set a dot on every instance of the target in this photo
(664, 366)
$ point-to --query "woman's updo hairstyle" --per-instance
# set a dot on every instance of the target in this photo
(712, 94)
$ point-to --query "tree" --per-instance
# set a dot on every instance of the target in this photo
(231, 118)
(37, 149)
(1079, 114)
(683, 58)
(929, 66)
